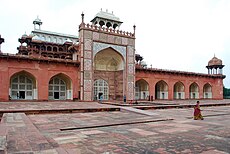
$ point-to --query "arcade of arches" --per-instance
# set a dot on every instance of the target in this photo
(177, 91)
(23, 86)
(108, 82)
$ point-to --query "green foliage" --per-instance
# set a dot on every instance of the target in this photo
(226, 92)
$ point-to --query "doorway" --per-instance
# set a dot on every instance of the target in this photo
(101, 88)
(22, 95)
(100, 95)
(56, 95)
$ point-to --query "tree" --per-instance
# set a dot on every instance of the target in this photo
(226, 92)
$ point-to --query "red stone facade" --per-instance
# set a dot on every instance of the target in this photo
(103, 63)
(41, 71)
(203, 82)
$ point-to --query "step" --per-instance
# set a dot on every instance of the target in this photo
(22, 136)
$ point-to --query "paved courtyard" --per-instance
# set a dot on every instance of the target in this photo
(123, 131)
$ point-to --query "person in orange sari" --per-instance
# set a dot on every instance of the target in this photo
(197, 112)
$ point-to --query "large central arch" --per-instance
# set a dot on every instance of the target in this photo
(109, 66)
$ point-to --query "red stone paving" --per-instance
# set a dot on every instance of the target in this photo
(41, 133)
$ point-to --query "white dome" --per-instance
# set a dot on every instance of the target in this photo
(107, 15)
(24, 44)
(68, 40)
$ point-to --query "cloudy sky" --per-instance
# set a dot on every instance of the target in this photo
(170, 34)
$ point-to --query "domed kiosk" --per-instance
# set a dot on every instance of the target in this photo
(215, 66)
(106, 19)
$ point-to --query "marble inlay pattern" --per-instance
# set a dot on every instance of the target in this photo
(130, 86)
(87, 96)
(87, 64)
(110, 38)
(130, 50)
(87, 85)
(87, 75)
(87, 54)
(95, 36)
(88, 44)
(124, 41)
(103, 37)
(131, 42)
(88, 34)
(130, 69)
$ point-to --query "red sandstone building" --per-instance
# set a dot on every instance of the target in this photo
(99, 63)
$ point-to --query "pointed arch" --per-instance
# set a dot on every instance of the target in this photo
(60, 87)
(161, 90)
(178, 90)
(142, 89)
(23, 85)
(194, 91)
(109, 65)
(207, 91)
(108, 59)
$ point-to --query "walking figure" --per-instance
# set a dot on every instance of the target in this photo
(197, 112)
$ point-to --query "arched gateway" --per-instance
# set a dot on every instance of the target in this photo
(108, 74)
(107, 54)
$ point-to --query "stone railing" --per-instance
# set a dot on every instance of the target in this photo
(168, 71)
(106, 30)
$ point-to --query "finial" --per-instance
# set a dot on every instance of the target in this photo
(82, 17)
(134, 29)
(1, 41)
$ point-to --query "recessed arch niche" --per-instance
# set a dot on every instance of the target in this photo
(109, 65)
(23, 85)
(141, 89)
(161, 90)
(60, 87)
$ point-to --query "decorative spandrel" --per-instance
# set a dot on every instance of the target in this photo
(100, 46)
